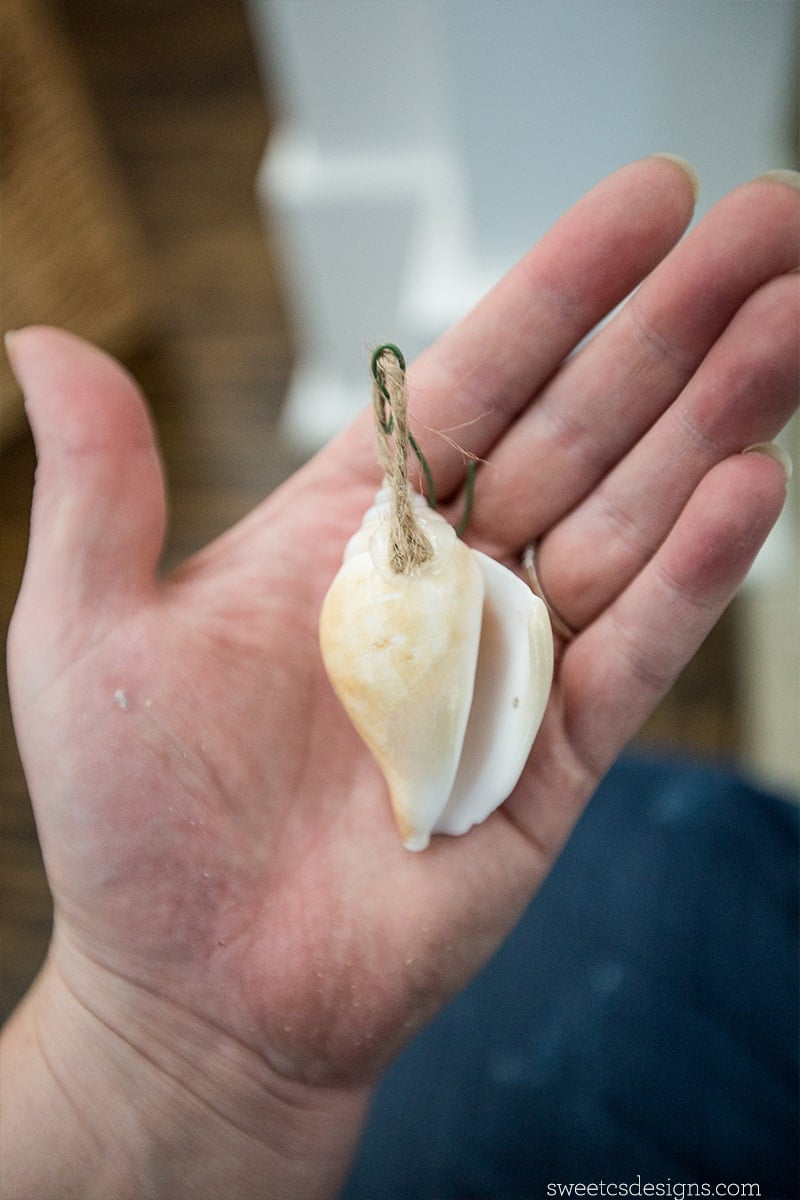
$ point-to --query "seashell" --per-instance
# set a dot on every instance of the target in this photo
(445, 672)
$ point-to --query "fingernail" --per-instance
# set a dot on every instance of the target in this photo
(773, 450)
(685, 166)
(791, 178)
(9, 337)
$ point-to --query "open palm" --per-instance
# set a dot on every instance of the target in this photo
(215, 835)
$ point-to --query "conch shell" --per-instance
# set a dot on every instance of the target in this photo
(445, 672)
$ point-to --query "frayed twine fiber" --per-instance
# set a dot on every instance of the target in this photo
(409, 546)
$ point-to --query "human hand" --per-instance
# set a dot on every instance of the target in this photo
(218, 842)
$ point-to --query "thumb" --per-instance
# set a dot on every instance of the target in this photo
(98, 511)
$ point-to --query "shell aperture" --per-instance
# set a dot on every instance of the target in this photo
(445, 672)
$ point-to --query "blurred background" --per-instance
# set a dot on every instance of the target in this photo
(239, 198)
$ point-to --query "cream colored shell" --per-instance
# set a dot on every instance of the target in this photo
(445, 673)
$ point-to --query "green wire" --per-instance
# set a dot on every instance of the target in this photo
(430, 487)
(461, 527)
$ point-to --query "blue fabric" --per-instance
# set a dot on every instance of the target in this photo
(641, 1022)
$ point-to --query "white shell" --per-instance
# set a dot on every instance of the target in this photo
(445, 673)
(512, 686)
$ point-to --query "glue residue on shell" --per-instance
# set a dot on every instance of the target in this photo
(439, 534)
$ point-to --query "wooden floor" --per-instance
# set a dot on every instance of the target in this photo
(177, 91)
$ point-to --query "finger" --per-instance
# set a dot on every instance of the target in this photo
(476, 378)
(99, 510)
(743, 393)
(610, 393)
(618, 669)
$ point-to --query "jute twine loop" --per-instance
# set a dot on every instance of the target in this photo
(409, 546)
